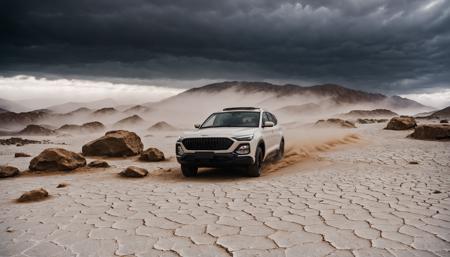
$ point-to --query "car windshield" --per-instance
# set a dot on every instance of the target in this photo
(232, 119)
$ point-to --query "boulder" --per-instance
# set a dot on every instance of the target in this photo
(401, 123)
(93, 126)
(443, 121)
(115, 143)
(335, 123)
(370, 121)
(98, 164)
(55, 159)
(432, 132)
(8, 171)
(36, 130)
(134, 172)
(33, 195)
(18, 155)
(152, 155)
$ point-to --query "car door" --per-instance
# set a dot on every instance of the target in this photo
(277, 131)
(268, 133)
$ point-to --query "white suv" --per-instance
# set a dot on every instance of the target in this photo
(239, 136)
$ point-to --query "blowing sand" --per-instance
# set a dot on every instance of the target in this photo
(346, 193)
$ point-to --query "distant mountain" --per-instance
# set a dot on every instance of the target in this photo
(71, 106)
(7, 105)
(131, 120)
(441, 114)
(335, 93)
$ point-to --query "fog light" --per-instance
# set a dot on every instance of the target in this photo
(179, 150)
(243, 149)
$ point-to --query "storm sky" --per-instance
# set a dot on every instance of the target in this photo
(400, 46)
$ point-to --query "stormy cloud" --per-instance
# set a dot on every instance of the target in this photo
(389, 46)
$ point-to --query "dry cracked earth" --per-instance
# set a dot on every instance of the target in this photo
(362, 200)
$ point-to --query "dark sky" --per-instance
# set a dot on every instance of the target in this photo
(384, 45)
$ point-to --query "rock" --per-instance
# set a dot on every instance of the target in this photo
(18, 141)
(401, 123)
(371, 113)
(98, 164)
(18, 155)
(129, 121)
(8, 171)
(335, 123)
(85, 128)
(414, 162)
(93, 126)
(105, 111)
(115, 143)
(152, 155)
(36, 130)
(443, 121)
(162, 125)
(33, 195)
(370, 121)
(432, 132)
(55, 159)
(61, 185)
(134, 172)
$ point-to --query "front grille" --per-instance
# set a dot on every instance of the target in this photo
(207, 143)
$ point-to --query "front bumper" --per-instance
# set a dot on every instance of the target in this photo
(211, 159)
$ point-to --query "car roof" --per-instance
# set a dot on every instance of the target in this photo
(231, 109)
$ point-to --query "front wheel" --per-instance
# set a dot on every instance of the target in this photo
(189, 171)
(254, 170)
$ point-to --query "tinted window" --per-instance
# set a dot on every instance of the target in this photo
(265, 118)
(273, 118)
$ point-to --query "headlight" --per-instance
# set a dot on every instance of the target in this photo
(244, 137)
(179, 150)
(179, 139)
(243, 149)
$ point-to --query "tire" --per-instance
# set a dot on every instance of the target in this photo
(280, 152)
(189, 171)
(254, 170)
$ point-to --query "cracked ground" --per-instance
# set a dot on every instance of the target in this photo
(358, 200)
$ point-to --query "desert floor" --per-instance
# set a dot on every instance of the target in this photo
(360, 199)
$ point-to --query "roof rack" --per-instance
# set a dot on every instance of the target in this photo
(240, 108)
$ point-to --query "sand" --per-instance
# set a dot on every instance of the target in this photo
(353, 194)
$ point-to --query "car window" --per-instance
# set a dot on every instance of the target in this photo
(273, 118)
(265, 117)
(232, 119)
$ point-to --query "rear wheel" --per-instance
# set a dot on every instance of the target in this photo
(254, 170)
(280, 152)
(189, 171)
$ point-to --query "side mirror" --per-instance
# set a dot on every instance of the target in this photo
(268, 124)
(196, 125)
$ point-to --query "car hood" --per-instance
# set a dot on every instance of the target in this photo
(219, 132)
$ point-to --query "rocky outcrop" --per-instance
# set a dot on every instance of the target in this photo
(443, 121)
(371, 113)
(152, 155)
(132, 120)
(134, 172)
(401, 123)
(370, 121)
(137, 109)
(19, 155)
(117, 143)
(162, 125)
(89, 127)
(432, 132)
(337, 123)
(57, 159)
(33, 195)
(18, 141)
(98, 164)
(36, 130)
(8, 171)
(105, 111)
